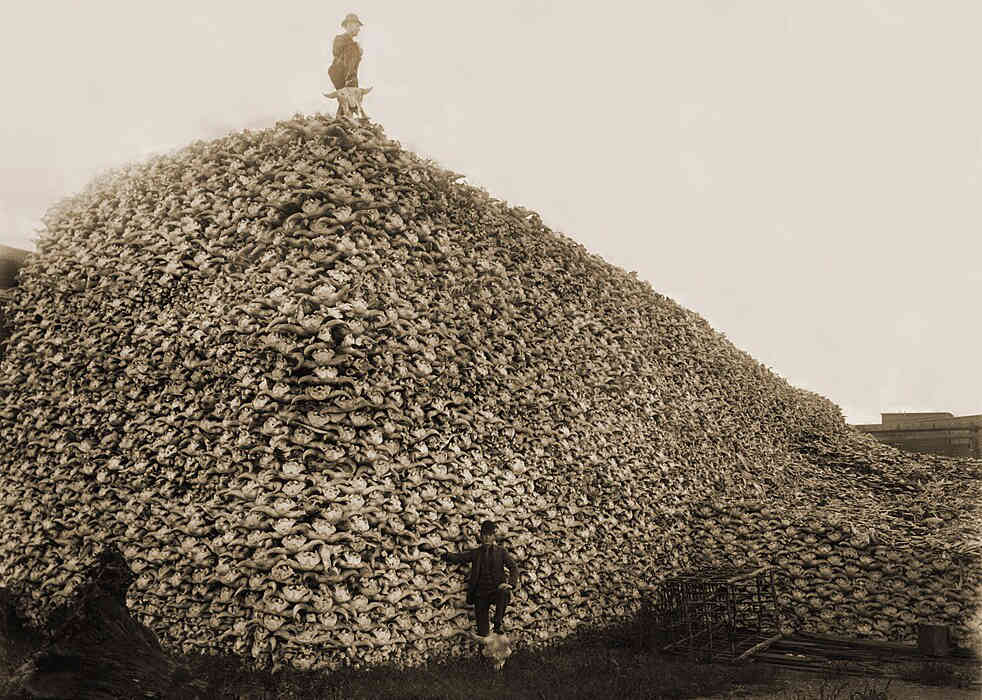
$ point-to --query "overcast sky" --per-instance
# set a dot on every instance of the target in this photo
(803, 174)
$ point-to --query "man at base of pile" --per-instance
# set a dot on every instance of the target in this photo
(487, 583)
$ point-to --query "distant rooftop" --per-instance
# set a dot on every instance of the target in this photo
(935, 433)
(920, 421)
(893, 418)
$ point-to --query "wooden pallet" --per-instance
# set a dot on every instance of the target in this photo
(850, 657)
(844, 649)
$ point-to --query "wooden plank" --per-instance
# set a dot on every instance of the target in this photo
(817, 667)
(849, 649)
(759, 647)
(870, 643)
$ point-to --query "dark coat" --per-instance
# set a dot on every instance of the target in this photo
(500, 558)
(347, 56)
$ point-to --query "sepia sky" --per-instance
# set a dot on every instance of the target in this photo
(805, 175)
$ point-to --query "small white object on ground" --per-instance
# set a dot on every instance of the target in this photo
(497, 647)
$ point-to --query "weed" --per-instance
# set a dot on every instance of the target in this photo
(938, 673)
(872, 690)
(839, 688)
(934, 673)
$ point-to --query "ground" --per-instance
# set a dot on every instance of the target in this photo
(796, 685)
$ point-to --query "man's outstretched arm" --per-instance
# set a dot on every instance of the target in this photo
(458, 557)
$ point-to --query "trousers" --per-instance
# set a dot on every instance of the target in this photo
(482, 609)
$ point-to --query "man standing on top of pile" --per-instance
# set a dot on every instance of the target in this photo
(347, 54)
(487, 583)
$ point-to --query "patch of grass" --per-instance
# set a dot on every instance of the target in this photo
(833, 687)
(934, 673)
(621, 661)
(938, 673)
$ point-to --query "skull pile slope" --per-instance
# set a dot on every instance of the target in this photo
(282, 370)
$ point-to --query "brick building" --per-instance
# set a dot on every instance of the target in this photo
(934, 433)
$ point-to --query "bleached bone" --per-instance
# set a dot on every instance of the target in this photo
(349, 100)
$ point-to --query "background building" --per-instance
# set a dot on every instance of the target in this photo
(935, 433)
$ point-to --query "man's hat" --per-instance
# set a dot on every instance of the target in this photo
(352, 17)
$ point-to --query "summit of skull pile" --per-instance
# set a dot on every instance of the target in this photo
(285, 369)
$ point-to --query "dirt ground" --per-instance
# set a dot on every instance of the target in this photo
(794, 685)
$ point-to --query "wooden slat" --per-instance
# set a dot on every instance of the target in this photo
(759, 647)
